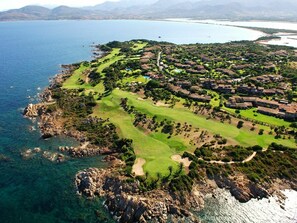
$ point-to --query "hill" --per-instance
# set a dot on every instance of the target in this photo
(153, 9)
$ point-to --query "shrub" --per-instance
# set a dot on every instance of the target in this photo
(240, 124)
(257, 148)
(226, 159)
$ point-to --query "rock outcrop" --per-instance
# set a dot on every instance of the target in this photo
(128, 204)
(241, 188)
(84, 150)
(4, 158)
(33, 110)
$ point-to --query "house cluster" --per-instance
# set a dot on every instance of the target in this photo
(268, 78)
(280, 109)
(179, 91)
(229, 87)
(253, 87)
(191, 67)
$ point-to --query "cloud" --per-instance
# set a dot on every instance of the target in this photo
(12, 4)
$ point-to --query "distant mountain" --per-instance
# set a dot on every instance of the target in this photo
(124, 4)
(225, 9)
(42, 13)
(155, 9)
(25, 13)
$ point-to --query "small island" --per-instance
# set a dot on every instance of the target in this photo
(175, 122)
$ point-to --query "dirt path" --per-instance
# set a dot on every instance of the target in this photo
(250, 158)
(137, 168)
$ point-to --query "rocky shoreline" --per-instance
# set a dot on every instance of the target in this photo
(128, 204)
(124, 200)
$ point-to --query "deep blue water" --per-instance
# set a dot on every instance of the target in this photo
(37, 190)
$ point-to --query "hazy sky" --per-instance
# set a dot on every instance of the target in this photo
(12, 4)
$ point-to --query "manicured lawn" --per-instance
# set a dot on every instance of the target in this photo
(215, 101)
(113, 53)
(242, 136)
(252, 114)
(72, 82)
(156, 152)
(139, 78)
(139, 46)
(110, 59)
(155, 148)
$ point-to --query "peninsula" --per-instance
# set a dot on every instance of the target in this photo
(177, 121)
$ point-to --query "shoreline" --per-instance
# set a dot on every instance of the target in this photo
(229, 22)
(283, 34)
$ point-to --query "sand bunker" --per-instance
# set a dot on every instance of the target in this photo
(179, 159)
(137, 167)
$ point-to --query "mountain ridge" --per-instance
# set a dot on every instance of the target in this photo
(160, 9)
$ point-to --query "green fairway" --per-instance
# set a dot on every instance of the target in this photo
(108, 60)
(254, 115)
(156, 152)
(139, 45)
(73, 81)
(155, 148)
(138, 79)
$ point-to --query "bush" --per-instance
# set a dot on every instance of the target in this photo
(261, 132)
(226, 159)
(168, 129)
(257, 148)
(254, 177)
(181, 183)
(240, 124)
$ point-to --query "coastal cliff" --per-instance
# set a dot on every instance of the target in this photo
(128, 204)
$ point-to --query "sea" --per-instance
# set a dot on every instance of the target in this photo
(36, 189)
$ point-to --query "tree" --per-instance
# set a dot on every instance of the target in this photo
(170, 168)
(293, 125)
(257, 148)
(159, 176)
(180, 167)
(168, 129)
(240, 124)
(146, 175)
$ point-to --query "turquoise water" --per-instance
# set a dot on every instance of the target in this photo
(38, 190)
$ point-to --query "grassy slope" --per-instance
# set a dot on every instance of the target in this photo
(108, 60)
(156, 152)
(72, 82)
(260, 117)
(134, 79)
(139, 45)
(155, 148)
